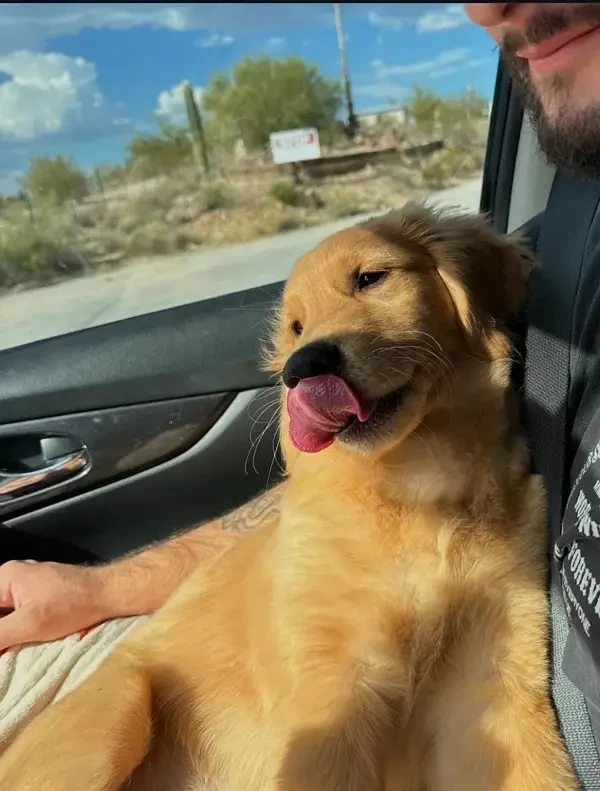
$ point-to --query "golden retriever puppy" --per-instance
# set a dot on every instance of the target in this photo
(389, 631)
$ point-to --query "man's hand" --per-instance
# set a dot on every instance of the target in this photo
(52, 600)
(48, 601)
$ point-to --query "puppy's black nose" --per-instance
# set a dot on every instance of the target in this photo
(314, 359)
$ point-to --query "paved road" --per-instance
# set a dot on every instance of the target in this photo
(151, 284)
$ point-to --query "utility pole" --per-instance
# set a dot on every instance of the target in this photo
(352, 124)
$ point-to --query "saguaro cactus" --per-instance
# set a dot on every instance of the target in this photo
(196, 127)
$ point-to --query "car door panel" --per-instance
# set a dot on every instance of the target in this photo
(118, 442)
(233, 461)
(202, 348)
(170, 406)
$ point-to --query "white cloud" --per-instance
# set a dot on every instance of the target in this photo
(451, 16)
(445, 18)
(171, 105)
(275, 44)
(29, 25)
(447, 58)
(50, 93)
(446, 63)
(383, 91)
(388, 22)
(447, 71)
(215, 40)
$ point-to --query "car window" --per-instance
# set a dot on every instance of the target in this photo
(156, 154)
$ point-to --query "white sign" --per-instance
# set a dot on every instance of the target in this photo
(295, 145)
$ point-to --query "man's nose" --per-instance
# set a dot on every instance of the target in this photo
(487, 14)
(313, 359)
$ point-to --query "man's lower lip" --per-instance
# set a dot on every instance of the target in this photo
(561, 57)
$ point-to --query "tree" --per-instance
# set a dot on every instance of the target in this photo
(57, 178)
(220, 137)
(109, 176)
(459, 115)
(152, 155)
(455, 117)
(264, 95)
(423, 109)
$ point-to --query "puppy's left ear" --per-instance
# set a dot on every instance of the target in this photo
(273, 346)
(485, 273)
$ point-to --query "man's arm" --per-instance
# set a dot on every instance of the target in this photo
(141, 583)
(51, 600)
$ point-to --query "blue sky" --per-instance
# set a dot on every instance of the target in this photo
(81, 78)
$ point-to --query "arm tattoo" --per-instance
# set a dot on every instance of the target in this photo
(256, 512)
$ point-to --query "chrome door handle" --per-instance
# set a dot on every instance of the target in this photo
(14, 485)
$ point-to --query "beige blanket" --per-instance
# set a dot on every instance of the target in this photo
(33, 676)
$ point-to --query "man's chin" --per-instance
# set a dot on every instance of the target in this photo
(566, 120)
(570, 138)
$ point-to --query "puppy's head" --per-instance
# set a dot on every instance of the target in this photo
(378, 316)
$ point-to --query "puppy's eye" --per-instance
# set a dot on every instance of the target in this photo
(368, 279)
(297, 327)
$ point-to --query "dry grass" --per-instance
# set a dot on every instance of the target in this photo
(264, 217)
(158, 238)
(451, 164)
(286, 193)
(40, 253)
(182, 213)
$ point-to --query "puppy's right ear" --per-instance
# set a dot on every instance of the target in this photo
(485, 273)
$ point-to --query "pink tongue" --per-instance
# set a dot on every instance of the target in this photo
(319, 408)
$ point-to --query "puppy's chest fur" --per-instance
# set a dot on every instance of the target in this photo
(377, 592)
(344, 609)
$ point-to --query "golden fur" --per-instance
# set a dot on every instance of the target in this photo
(389, 631)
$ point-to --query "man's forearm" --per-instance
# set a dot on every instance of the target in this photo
(141, 583)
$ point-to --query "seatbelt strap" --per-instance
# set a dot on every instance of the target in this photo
(561, 247)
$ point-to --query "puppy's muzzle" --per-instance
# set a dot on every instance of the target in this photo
(314, 359)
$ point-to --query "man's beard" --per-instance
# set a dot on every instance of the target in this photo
(570, 139)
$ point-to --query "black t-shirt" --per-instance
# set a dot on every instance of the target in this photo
(561, 386)
(578, 547)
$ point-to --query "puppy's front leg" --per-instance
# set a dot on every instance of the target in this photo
(331, 761)
(514, 745)
(495, 729)
(348, 746)
(91, 739)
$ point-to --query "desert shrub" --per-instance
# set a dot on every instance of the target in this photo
(216, 195)
(289, 224)
(91, 215)
(58, 178)
(448, 164)
(344, 207)
(145, 208)
(169, 203)
(286, 193)
(38, 253)
(156, 238)
(105, 242)
(344, 201)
